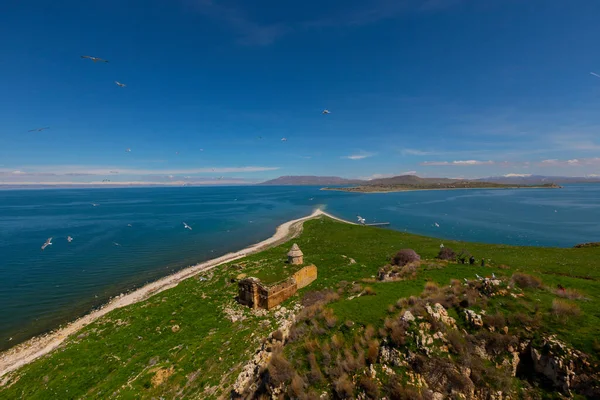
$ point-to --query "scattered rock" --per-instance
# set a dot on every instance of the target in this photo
(473, 318)
(175, 328)
(439, 313)
(408, 317)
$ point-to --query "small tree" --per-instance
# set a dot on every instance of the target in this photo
(405, 256)
(446, 253)
(463, 256)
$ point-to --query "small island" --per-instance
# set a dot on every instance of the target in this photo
(433, 185)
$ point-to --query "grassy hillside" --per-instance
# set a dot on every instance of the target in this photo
(183, 343)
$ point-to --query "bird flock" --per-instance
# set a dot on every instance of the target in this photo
(122, 85)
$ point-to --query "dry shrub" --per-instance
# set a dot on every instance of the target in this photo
(311, 345)
(280, 370)
(337, 342)
(319, 296)
(369, 386)
(563, 308)
(356, 288)
(297, 331)
(526, 280)
(457, 341)
(455, 283)
(398, 390)
(296, 388)
(431, 287)
(446, 253)
(278, 335)
(495, 320)
(329, 317)
(406, 256)
(316, 328)
(502, 266)
(369, 291)
(315, 376)
(524, 320)
(344, 388)
(349, 363)
(398, 333)
(391, 308)
(409, 271)
(369, 332)
(572, 294)
(496, 343)
(373, 351)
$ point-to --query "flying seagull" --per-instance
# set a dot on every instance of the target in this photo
(119, 84)
(95, 59)
(47, 243)
(437, 225)
(284, 139)
(186, 226)
(595, 74)
(326, 112)
(69, 239)
(116, 244)
(130, 225)
(361, 220)
(39, 129)
(128, 150)
(94, 205)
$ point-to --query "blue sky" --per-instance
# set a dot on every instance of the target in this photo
(454, 88)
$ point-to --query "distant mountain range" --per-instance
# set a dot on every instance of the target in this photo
(415, 180)
(312, 180)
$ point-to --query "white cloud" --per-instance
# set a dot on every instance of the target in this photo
(576, 162)
(359, 156)
(80, 170)
(457, 163)
(416, 152)
(517, 175)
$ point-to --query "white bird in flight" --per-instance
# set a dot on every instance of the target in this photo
(326, 111)
(94, 205)
(69, 239)
(595, 74)
(116, 244)
(128, 150)
(47, 243)
(130, 225)
(95, 59)
(119, 84)
(186, 226)
(284, 139)
(38, 129)
(437, 225)
(442, 246)
(361, 220)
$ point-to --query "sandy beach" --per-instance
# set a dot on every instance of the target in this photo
(39, 346)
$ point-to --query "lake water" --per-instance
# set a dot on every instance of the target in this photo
(41, 289)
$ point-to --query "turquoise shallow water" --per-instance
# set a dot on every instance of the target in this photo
(41, 289)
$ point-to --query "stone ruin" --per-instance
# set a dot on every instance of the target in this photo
(255, 294)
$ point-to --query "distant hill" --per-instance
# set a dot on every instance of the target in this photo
(416, 180)
(312, 180)
(407, 180)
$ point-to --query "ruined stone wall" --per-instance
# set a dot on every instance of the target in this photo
(280, 292)
(305, 276)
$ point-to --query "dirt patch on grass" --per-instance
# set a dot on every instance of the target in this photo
(162, 375)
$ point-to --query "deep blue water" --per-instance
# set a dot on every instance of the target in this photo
(41, 289)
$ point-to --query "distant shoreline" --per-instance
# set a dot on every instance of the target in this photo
(38, 346)
(430, 189)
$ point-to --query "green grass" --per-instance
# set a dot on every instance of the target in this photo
(112, 357)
